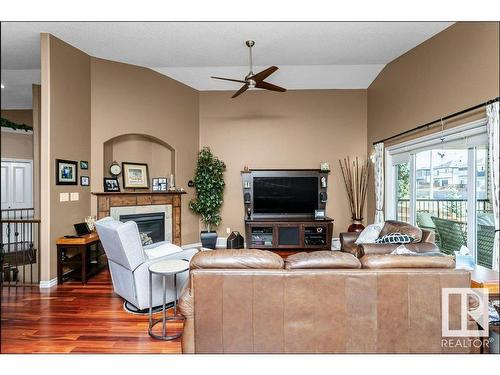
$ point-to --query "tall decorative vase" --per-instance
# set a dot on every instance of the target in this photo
(356, 226)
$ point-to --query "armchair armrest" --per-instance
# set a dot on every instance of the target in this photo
(347, 243)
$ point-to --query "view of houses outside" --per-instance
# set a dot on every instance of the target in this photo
(441, 177)
(442, 174)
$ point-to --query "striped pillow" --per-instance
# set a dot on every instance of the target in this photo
(395, 238)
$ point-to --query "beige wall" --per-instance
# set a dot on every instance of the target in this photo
(296, 129)
(65, 135)
(17, 145)
(128, 99)
(456, 69)
(138, 149)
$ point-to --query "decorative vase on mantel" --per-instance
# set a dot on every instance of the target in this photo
(356, 226)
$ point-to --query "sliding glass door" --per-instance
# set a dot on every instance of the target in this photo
(442, 184)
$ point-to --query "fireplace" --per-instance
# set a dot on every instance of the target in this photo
(151, 226)
(121, 204)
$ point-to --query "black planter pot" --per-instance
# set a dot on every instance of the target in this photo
(208, 239)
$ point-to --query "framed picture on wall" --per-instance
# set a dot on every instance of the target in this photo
(84, 180)
(111, 184)
(84, 164)
(135, 175)
(66, 172)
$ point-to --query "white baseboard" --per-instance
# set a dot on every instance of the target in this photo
(220, 244)
(48, 283)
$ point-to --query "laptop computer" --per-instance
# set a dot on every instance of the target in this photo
(81, 229)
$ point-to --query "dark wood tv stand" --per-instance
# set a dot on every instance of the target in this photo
(289, 233)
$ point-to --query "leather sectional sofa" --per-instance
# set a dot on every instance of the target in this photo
(253, 301)
(425, 240)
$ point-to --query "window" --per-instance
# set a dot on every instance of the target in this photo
(440, 183)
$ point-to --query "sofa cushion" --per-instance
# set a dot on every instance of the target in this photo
(244, 258)
(424, 260)
(370, 234)
(322, 259)
(393, 226)
(398, 238)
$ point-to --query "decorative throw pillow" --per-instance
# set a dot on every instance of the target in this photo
(395, 238)
(370, 233)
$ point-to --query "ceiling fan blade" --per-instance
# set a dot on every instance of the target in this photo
(240, 91)
(229, 79)
(269, 86)
(264, 74)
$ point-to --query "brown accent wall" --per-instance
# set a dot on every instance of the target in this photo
(296, 129)
(18, 146)
(453, 70)
(66, 134)
(128, 99)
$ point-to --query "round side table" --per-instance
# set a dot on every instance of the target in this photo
(165, 268)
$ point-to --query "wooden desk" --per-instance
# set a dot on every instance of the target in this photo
(80, 256)
(482, 277)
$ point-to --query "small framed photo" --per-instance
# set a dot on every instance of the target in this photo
(135, 175)
(111, 184)
(163, 184)
(319, 214)
(155, 184)
(84, 164)
(66, 172)
(84, 180)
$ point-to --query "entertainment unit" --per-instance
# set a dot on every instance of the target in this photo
(281, 206)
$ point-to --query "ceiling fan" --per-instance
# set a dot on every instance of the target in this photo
(254, 80)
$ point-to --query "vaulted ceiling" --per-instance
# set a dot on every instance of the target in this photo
(310, 55)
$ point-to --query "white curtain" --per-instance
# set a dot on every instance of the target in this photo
(494, 167)
(379, 182)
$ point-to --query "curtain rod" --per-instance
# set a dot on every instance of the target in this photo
(438, 120)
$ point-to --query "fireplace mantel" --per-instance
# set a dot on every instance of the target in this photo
(106, 200)
(143, 192)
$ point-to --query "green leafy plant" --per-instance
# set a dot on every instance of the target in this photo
(209, 184)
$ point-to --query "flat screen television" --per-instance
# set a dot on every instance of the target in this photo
(278, 196)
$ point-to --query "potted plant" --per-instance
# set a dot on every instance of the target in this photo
(209, 185)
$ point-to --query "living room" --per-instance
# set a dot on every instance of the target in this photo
(250, 187)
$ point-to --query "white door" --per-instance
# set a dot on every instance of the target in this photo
(17, 184)
(17, 193)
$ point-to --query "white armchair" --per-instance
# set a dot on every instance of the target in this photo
(129, 262)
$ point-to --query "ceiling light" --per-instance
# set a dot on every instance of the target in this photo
(2, 86)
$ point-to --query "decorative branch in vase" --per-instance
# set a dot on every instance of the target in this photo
(356, 175)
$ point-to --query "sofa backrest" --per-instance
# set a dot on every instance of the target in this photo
(320, 311)
(237, 259)
(121, 242)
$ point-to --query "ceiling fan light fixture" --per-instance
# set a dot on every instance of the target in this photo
(252, 80)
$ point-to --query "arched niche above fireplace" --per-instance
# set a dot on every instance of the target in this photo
(140, 148)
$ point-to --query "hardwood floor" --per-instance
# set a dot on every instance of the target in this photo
(72, 318)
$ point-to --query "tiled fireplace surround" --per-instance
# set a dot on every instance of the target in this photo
(106, 201)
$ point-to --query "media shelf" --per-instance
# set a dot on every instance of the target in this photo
(293, 234)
